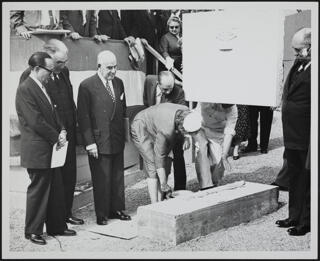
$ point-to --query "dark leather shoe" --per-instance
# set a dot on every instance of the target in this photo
(286, 223)
(298, 230)
(236, 157)
(264, 151)
(67, 232)
(120, 215)
(36, 239)
(74, 221)
(102, 221)
(249, 149)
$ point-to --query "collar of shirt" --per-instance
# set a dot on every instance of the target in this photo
(104, 81)
(37, 81)
(41, 87)
(55, 74)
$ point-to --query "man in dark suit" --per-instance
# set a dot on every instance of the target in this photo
(101, 112)
(109, 23)
(159, 90)
(81, 23)
(60, 91)
(40, 129)
(296, 122)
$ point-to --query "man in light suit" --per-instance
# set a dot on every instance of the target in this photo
(101, 112)
(40, 130)
(60, 91)
(296, 122)
(159, 90)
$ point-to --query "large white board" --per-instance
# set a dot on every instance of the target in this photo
(233, 56)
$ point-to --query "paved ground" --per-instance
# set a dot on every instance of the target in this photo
(259, 235)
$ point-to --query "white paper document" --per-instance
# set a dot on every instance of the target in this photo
(58, 156)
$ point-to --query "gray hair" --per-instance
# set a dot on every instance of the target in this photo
(105, 56)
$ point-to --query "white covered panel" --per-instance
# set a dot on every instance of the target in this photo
(233, 56)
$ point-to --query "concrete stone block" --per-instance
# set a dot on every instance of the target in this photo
(187, 217)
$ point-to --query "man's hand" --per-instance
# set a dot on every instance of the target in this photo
(130, 41)
(104, 37)
(226, 163)
(62, 139)
(186, 143)
(75, 36)
(97, 38)
(93, 151)
(169, 63)
(196, 149)
(22, 31)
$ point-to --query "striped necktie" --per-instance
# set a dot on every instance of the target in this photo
(110, 92)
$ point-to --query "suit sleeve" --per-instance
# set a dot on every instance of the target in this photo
(84, 119)
(164, 46)
(16, 19)
(29, 114)
(92, 23)
(161, 146)
(180, 98)
(65, 21)
(145, 92)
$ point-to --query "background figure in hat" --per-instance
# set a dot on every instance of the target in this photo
(213, 142)
(154, 132)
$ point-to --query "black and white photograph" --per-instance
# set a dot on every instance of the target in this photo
(160, 130)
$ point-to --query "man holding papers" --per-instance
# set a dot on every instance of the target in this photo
(40, 129)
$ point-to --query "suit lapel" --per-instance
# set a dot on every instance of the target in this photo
(303, 75)
(41, 95)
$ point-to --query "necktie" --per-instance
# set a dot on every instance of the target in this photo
(46, 94)
(110, 92)
(163, 98)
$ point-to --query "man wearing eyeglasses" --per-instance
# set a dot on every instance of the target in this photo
(296, 122)
(41, 128)
(101, 112)
(60, 90)
(161, 89)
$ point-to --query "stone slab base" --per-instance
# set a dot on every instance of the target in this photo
(187, 217)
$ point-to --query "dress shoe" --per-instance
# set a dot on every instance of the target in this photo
(74, 221)
(236, 157)
(298, 230)
(249, 149)
(120, 215)
(286, 223)
(102, 221)
(264, 151)
(67, 232)
(36, 239)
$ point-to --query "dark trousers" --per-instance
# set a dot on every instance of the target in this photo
(266, 115)
(45, 203)
(299, 188)
(69, 176)
(180, 177)
(108, 183)
(283, 178)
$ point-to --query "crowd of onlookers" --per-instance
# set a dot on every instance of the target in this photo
(161, 129)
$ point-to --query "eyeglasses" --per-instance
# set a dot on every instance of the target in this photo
(50, 71)
(174, 27)
(62, 62)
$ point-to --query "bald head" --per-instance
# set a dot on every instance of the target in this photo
(107, 64)
(302, 38)
(59, 53)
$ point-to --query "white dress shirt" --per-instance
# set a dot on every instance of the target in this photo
(42, 88)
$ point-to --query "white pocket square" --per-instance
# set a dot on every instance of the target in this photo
(121, 96)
